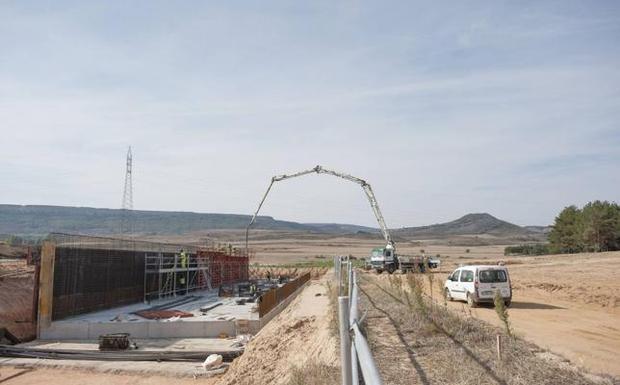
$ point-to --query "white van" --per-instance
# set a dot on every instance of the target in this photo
(479, 283)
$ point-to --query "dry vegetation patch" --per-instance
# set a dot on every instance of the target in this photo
(443, 347)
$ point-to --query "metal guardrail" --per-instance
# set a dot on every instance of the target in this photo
(355, 354)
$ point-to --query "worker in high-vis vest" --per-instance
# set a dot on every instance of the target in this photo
(183, 261)
(183, 257)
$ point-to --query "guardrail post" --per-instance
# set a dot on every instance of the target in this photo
(353, 319)
(345, 340)
(335, 267)
(350, 278)
(353, 300)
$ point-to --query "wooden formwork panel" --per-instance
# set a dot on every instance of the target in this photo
(273, 297)
(87, 280)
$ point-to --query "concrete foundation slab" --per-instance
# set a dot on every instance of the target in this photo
(216, 322)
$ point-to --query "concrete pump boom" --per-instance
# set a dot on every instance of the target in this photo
(320, 170)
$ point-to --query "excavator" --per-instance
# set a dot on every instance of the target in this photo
(381, 259)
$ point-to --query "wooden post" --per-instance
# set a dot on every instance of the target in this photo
(35, 295)
(499, 347)
(46, 286)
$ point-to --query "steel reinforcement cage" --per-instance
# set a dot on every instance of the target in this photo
(93, 273)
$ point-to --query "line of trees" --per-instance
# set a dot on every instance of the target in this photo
(595, 227)
(531, 249)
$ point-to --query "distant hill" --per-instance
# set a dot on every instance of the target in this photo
(468, 225)
(539, 229)
(41, 220)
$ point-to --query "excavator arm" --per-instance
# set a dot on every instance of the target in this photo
(320, 170)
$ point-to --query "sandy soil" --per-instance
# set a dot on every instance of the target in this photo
(569, 304)
(566, 303)
(29, 376)
(297, 335)
(417, 346)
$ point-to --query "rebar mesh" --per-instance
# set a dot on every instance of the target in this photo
(94, 273)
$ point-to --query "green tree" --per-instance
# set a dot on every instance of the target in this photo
(601, 221)
(566, 235)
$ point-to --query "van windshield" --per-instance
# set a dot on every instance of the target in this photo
(491, 276)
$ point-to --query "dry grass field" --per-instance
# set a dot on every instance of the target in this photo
(569, 304)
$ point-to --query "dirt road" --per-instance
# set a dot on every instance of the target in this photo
(586, 335)
(422, 344)
(565, 303)
(568, 304)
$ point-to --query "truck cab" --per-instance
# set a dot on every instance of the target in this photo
(383, 258)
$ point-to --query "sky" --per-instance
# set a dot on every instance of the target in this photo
(445, 108)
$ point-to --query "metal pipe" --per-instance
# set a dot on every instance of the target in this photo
(367, 363)
(336, 266)
(345, 340)
(352, 320)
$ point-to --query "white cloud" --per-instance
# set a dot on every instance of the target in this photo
(443, 116)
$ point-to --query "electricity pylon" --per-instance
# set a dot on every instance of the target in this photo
(127, 206)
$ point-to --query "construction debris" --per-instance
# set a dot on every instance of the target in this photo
(205, 309)
(116, 341)
(163, 314)
(214, 361)
(130, 355)
(6, 337)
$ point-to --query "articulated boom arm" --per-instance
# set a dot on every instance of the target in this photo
(320, 170)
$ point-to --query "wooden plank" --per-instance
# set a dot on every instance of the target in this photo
(46, 286)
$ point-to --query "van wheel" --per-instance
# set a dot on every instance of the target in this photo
(507, 303)
(379, 271)
(448, 296)
(470, 301)
(390, 269)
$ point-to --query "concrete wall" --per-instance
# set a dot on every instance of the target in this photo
(179, 329)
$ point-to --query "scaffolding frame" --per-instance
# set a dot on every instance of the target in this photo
(205, 270)
(164, 275)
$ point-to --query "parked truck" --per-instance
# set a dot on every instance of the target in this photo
(386, 259)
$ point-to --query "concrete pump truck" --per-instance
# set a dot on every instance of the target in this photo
(381, 259)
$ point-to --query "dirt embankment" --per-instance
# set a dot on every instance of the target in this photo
(16, 289)
(297, 337)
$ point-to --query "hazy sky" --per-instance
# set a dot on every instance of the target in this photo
(446, 108)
